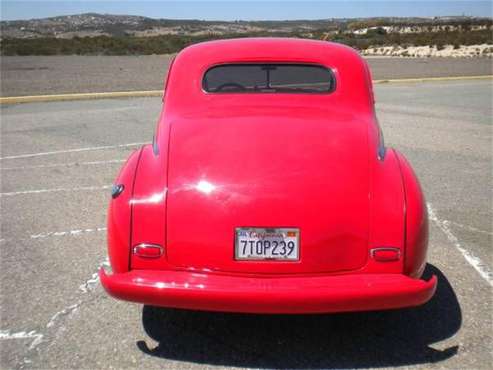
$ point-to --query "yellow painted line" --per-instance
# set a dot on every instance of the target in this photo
(157, 93)
(426, 79)
(81, 96)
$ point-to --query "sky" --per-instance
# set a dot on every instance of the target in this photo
(246, 10)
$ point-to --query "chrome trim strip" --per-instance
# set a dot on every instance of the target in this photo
(381, 152)
(381, 145)
(155, 147)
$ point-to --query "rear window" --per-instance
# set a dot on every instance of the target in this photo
(268, 78)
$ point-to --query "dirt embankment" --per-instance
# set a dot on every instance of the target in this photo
(448, 51)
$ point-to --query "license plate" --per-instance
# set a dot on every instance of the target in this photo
(254, 243)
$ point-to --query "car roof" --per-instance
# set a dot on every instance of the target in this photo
(278, 48)
(184, 87)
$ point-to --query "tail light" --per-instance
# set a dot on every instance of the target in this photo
(386, 254)
(148, 250)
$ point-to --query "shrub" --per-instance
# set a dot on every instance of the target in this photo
(129, 45)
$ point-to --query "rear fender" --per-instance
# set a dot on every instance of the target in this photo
(387, 211)
(149, 206)
(119, 216)
(416, 221)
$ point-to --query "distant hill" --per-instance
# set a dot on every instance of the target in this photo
(105, 34)
(93, 25)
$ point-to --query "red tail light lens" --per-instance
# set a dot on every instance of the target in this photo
(148, 250)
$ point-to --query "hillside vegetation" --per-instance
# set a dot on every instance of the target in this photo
(129, 35)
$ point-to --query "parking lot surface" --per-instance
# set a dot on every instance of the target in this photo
(56, 74)
(57, 163)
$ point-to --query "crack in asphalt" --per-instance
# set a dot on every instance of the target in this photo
(56, 321)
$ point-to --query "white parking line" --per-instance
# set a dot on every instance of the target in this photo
(48, 234)
(469, 228)
(72, 150)
(69, 164)
(38, 337)
(66, 233)
(473, 260)
(38, 191)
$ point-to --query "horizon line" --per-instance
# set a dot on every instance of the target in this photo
(249, 20)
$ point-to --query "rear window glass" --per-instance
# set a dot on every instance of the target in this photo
(268, 78)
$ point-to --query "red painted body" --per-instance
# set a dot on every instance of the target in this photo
(309, 161)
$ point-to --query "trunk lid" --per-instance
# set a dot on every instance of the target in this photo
(264, 170)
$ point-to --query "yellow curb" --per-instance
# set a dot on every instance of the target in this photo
(81, 96)
(157, 93)
(425, 79)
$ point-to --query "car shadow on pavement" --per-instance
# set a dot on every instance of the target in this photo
(349, 340)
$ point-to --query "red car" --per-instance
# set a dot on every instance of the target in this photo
(268, 189)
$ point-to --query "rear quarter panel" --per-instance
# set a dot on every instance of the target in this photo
(119, 216)
(416, 221)
(387, 210)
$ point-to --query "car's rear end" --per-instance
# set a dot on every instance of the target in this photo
(267, 190)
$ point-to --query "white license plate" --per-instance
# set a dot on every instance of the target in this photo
(254, 243)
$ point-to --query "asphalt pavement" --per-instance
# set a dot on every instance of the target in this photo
(57, 74)
(58, 160)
